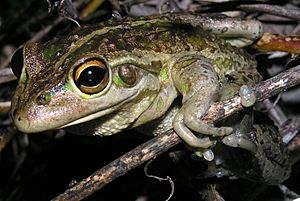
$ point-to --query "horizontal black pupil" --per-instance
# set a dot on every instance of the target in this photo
(91, 76)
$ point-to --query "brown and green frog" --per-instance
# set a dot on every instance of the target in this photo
(165, 69)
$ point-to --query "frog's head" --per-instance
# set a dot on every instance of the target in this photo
(66, 83)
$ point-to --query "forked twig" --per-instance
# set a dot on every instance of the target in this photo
(162, 143)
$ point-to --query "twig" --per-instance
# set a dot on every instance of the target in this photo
(262, 90)
(6, 75)
(121, 166)
(6, 134)
(4, 107)
(162, 143)
(292, 129)
(41, 33)
(211, 194)
(160, 179)
(272, 9)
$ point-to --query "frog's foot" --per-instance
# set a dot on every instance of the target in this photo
(207, 154)
(240, 140)
(247, 95)
(183, 124)
(187, 136)
(244, 135)
(197, 125)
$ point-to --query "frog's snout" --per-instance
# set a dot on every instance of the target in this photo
(20, 121)
(35, 118)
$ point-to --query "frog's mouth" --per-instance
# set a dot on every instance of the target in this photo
(97, 114)
(115, 108)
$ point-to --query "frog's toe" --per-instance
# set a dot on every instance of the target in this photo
(237, 140)
(197, 125)
(207, 154)
(202, 127)
(247, 95)
(187, 136)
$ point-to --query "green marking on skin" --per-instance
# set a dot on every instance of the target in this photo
(195, 40)
(50, 51)
(47, 97)
(141, 18)
(118, 81)
(68, 86)
(149, 44)
(184, 88)
(164, 74)
(164, 36)
(23, 78)
(188, 62)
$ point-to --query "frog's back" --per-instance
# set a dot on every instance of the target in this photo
(163, 35)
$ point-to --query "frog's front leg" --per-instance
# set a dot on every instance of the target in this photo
(197, 81)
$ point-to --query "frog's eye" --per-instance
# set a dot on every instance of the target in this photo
(91, 77)
(17, 62)
(128, 74)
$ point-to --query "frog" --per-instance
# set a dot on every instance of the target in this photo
(164, 71)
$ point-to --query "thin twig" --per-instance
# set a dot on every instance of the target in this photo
(4, 107)
(162, 143)
(160, 179)
(6, 75)
(6, 134)
(211, 194)
(272, 9)
(41, 33)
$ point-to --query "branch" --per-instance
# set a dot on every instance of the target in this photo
(162, 143)
(292, 13)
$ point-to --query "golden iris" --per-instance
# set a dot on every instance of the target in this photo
(91, 77)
